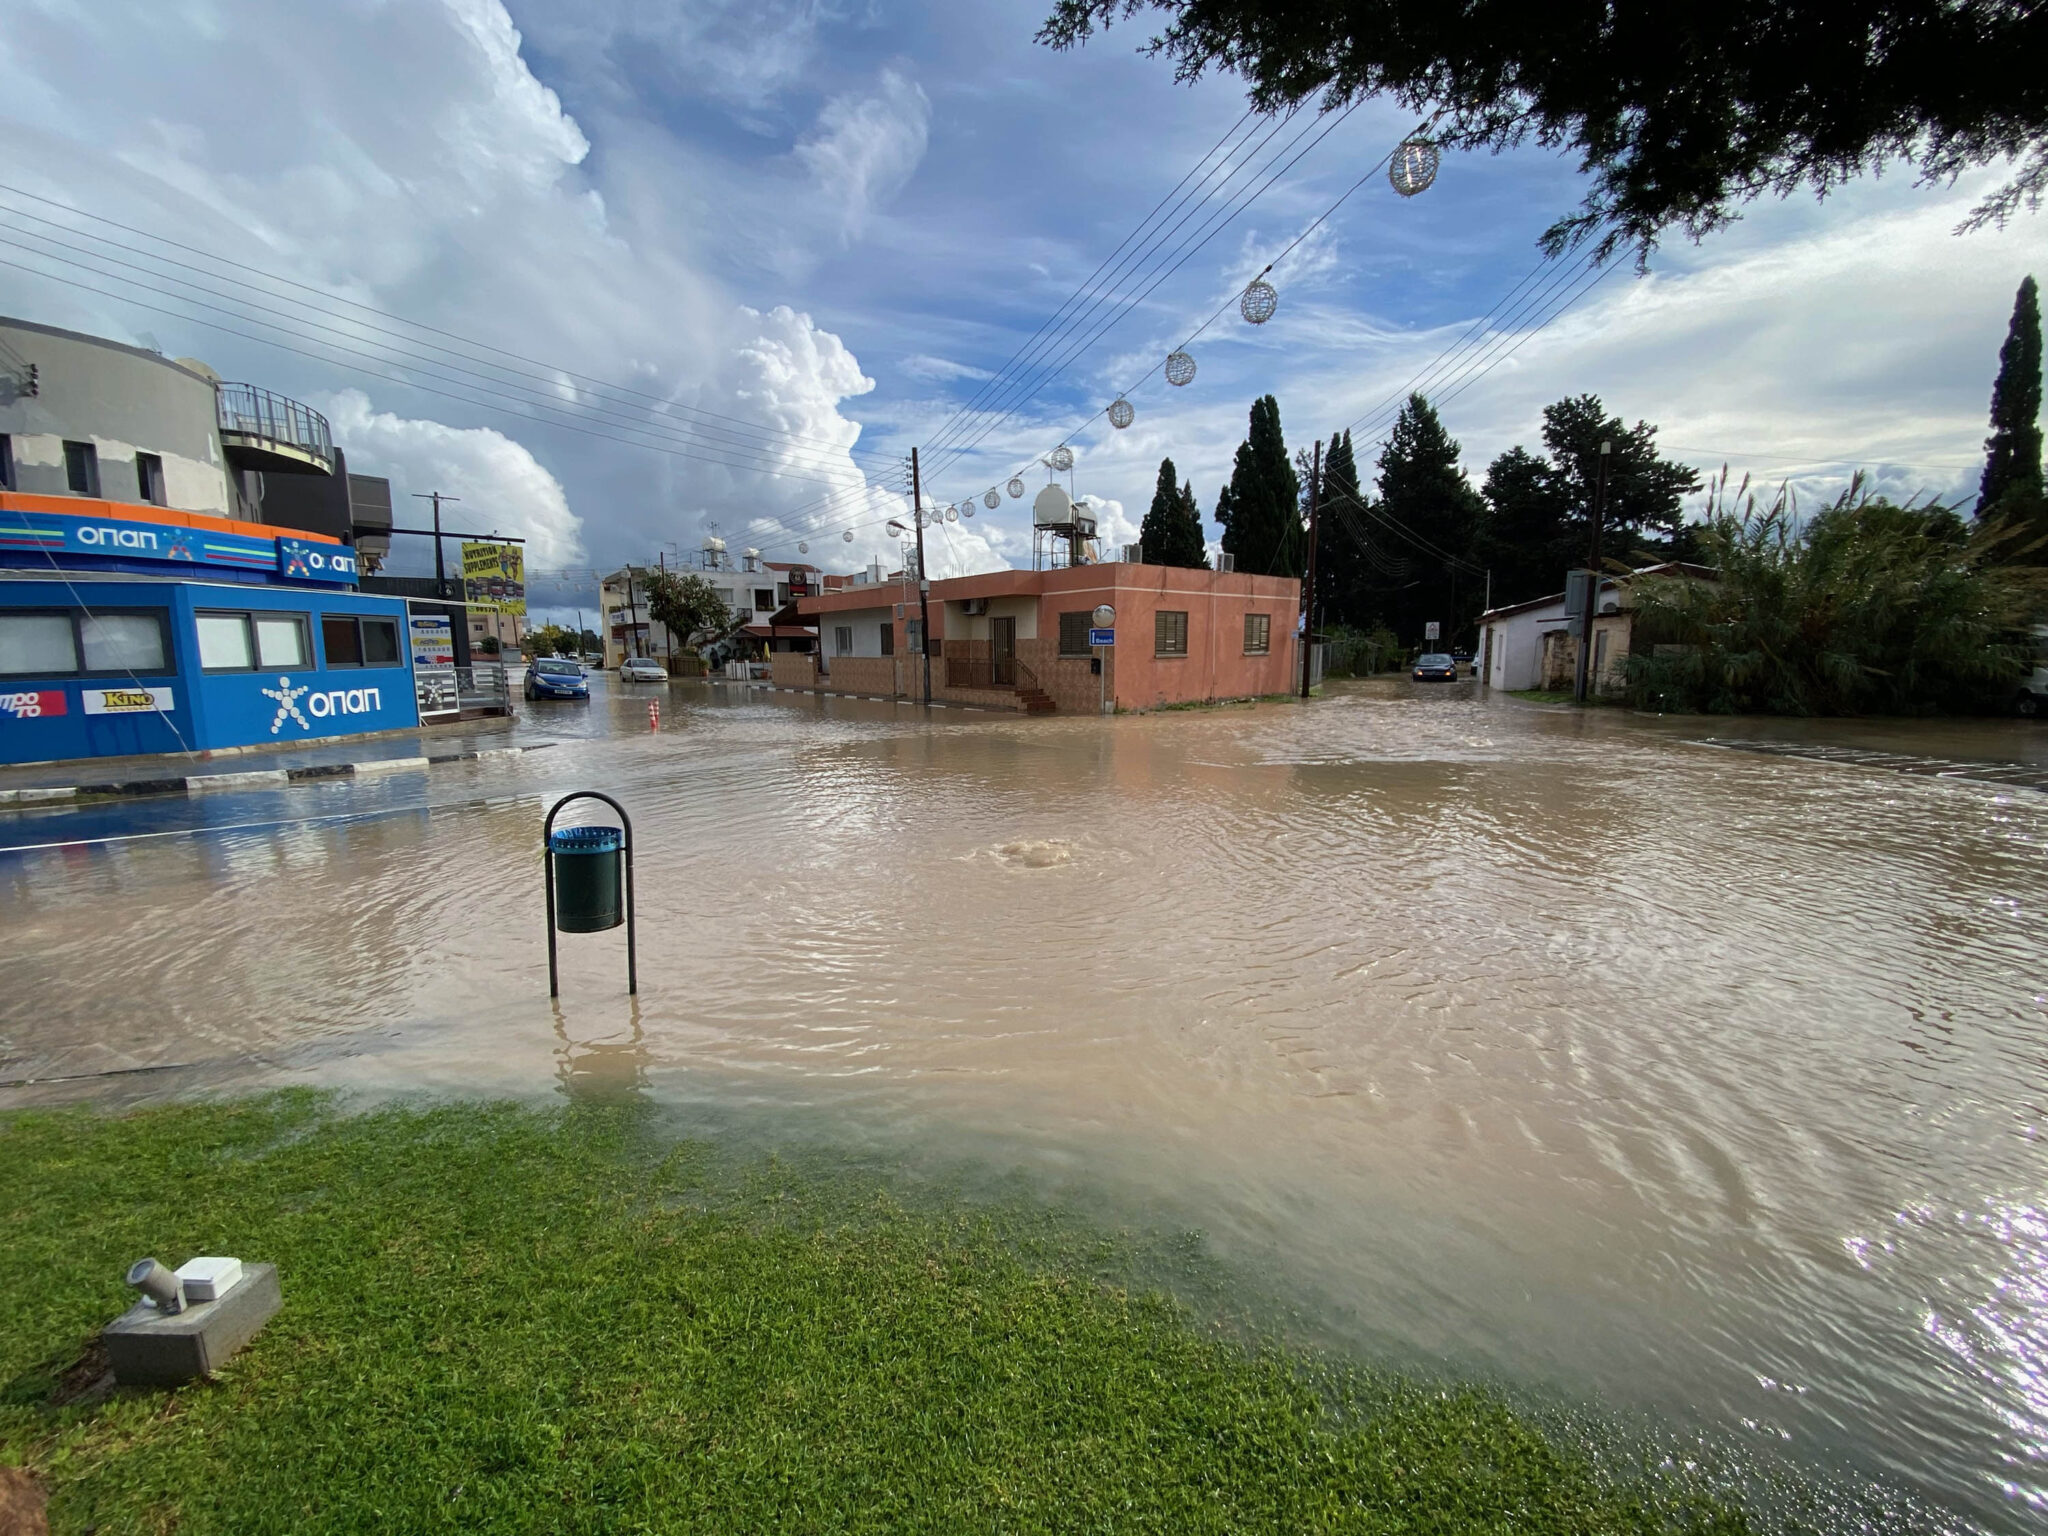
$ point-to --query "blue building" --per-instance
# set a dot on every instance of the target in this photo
(143, 608)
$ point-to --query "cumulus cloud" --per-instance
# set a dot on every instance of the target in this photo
(504, 489)
(866, 146)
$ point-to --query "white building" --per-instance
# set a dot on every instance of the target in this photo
(1533, 645)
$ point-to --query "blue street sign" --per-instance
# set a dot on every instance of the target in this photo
(1102, 637)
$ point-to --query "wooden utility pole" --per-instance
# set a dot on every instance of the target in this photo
(1581, 686)
(440, 568)
(1308, 595)
(924, 583)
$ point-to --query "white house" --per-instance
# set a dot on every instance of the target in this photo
(1533, 644)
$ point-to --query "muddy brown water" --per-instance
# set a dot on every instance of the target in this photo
(1698, 1082)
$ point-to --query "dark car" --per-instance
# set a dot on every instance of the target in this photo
(1436, 669)
(555, 677)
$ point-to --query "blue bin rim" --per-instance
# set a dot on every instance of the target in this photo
(584, 840)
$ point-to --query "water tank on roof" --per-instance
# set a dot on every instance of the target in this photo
(1051, 509)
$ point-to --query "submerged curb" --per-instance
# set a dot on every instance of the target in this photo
(255, 778)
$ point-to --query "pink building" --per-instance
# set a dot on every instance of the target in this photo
(1019, 639)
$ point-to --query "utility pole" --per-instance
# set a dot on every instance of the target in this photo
(632, 613)
(1308, 595)
(924, 582)
(440, 568)
(661, 559)
(1593, 585)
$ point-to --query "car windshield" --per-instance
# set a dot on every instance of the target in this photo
(1434, 661)
(557, 668)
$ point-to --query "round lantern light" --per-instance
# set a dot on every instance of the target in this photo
(1260, 299)
(992, 499)
(1121, 414)
(1015, 487)
(952, 514)
(1061, 458)
(1180, 369)
(848, 535)
(803, 549)
(1413, 167)
(895, 529)
(967, 507)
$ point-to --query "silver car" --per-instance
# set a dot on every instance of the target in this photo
(641, 669)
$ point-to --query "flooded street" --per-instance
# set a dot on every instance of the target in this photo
(1549, 1047)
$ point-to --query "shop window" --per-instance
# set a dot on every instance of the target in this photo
(1074, 633)
(122, 642)
(149, 478)
(1169, 633)
(82, 469)
(225, 644)
(358, 642)
(281, 641)
(1258, 634)
(37, 645)
(69, 643)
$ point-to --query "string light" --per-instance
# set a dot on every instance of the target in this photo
(1413, 166)
(1260, 299)
(1016, 486)
(1121, 413)
(992, 499)
(1061, 459)
(1180, 369)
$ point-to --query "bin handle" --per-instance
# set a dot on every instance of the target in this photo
(547, 833)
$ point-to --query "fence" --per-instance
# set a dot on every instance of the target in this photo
(484, 687)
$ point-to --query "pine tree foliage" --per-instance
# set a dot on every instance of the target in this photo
(1260, 508)
(1429, 514)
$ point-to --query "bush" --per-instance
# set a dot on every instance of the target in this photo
(1866, 608)
(1360, 653)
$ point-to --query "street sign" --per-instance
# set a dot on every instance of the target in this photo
(1102, 637)
(1429, 630)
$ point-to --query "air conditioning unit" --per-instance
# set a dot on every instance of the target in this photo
(1226, 562)
(1134, 554)
(974, 607)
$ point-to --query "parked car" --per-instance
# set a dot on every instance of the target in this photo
(1436, 669)
(641, 669)
(555, 677)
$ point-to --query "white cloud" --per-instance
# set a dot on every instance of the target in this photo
(503, 487)
(867, 145)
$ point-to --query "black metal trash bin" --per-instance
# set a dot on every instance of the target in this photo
(588, 878)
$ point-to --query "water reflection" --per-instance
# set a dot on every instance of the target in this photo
(1543, 1044)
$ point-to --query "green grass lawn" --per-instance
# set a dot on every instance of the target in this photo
(508, 1319)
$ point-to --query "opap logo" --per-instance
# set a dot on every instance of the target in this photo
(104, 537)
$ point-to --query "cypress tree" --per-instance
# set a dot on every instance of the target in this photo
(1172, 531)
(2012, 453)
(1260, 509)
(1423, 491)
(1344, 579)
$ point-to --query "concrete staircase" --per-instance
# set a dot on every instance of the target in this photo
(1034, 701)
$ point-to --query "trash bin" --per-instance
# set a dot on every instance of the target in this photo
(588, 878)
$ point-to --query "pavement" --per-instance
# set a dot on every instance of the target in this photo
(179, 773)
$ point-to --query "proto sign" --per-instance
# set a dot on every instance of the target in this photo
(41, 705)
(126, 701)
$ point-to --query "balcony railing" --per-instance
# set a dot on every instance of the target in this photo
(259, 419)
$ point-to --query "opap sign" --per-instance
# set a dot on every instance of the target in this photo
(300, 561)
(297, 701)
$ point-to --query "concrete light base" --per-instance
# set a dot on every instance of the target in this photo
(148, 1348)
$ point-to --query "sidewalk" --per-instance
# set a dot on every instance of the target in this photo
(178, 773)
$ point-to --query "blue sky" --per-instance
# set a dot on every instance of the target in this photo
(831, 222)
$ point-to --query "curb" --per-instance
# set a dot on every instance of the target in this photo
(255, 778)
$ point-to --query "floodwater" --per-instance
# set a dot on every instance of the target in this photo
(1704, 1084)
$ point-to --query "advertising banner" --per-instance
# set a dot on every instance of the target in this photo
(41, 705)
(432, 638)
(494, 577)
(130, 700)
(55, 533)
